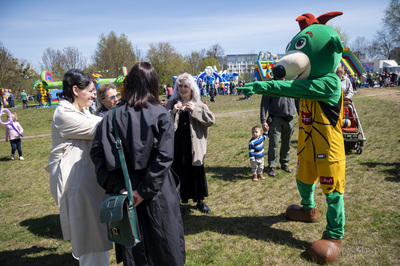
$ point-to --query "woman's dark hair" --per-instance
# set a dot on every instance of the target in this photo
(140, 86)
(74, 77)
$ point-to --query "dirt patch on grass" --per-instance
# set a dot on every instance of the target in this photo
(392, 94)
(32, 136)
(383, 93)
(236, 113)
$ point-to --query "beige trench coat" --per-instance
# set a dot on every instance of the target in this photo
(73, 182)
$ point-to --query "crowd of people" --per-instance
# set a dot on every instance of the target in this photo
(387, 79)
(165, 146)
(370, 80)
(212, 88)
(25, 99)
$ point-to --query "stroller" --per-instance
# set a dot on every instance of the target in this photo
(353, 134)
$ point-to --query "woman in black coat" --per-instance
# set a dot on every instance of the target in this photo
(147, 133)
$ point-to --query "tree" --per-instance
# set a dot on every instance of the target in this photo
(23, 75)
(6, 66)
(360, 48)
(113, 53)
(73, 59)
(58, 62)
(382, 45)
(395, 54)
(216, 51)
(392, 19)
(15, 74)
(210, 61)
(166, 60)
(52, 60)
(342, 34)
(387, 39)
(248, 77)
(194, 62)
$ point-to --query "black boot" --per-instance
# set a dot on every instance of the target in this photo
(201, 206)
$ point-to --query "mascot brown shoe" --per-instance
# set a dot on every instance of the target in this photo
(298, 213)
(325, 250)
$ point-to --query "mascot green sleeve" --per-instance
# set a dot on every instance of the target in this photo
(307, 71)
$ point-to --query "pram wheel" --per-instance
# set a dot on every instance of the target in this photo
(359, 149)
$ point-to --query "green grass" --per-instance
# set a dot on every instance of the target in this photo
(247, 224)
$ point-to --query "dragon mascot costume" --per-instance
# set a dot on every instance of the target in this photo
(307, 71)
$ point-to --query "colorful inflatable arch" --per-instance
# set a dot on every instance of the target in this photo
(351, 63)
(47, 83)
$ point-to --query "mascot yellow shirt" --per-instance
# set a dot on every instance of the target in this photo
(320, 131)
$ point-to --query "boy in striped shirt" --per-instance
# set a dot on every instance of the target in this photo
(256, 152)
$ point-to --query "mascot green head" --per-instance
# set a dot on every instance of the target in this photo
(316, 50)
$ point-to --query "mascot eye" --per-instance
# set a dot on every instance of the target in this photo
(300, 43)
(287, 47)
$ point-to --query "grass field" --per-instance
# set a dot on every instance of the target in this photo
(247, 224)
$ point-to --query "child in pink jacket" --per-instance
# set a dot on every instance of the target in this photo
(14, 134)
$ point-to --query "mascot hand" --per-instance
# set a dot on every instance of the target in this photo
(259, 87)
(248, 90)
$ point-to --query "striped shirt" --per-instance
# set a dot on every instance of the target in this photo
(256, 147)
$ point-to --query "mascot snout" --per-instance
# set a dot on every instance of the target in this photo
(294, 65)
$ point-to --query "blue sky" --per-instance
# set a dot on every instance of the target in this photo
(28, 27)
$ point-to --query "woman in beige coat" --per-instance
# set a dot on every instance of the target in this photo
(73, 182)
(192, 119)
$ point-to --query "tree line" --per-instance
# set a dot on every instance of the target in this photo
(113, 52)
(385, 42)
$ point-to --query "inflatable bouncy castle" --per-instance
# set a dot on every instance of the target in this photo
(263, 66)
(5, 93)
(211, 74)
(47, 84)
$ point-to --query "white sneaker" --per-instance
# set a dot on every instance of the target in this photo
(12, 157)
(21, 158)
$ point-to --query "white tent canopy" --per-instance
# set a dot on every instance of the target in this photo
(390, 63)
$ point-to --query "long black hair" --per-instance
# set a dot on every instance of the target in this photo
(74, 77)
(140, 86)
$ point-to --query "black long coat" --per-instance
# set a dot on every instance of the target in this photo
(147, 137)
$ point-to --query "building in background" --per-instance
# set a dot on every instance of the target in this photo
(240, 63)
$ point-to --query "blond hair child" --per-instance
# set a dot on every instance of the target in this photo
(14, 134)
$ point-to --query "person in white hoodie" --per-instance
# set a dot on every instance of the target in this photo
(346, 84)
(73, 182)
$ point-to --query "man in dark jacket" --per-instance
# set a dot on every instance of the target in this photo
(279, 125)
(39, 98)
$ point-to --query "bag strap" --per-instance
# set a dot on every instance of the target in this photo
(118, 145)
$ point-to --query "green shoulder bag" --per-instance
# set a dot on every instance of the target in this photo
(118, 210)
